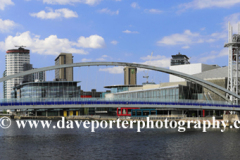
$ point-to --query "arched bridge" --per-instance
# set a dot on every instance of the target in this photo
(212, 87)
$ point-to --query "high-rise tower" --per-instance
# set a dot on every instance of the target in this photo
(14, 60)
(130, 75)
(233, 62)
(64, 73)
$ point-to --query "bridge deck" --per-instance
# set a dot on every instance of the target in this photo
(115, 104)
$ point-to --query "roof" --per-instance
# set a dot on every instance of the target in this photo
(19, 50)
(45, 82)
(150, 89)
(62, 54)
(116, 86)
(214, 73)
(180, 55)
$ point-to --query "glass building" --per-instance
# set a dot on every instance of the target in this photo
(121, 88)
(171, 93)
(48, 89)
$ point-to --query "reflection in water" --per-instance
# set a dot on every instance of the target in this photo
(118, 144)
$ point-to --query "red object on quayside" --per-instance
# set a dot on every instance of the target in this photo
(126, 112)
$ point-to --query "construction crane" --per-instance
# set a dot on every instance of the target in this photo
(146, 73)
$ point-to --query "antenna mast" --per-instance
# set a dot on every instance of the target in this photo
(146, 74)
(233, 62)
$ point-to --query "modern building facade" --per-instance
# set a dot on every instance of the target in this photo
(39, 76)
(179, 59)
(4, 86)
(64, 73)
(14, 60)
(27, 78)
(190, 69)
(35, 77)
(48, 89)
(130, 76)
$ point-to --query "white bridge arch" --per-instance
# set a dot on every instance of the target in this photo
(212, 87)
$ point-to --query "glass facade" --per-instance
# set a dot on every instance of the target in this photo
(119, 89)
(167, 94)
(55, 89)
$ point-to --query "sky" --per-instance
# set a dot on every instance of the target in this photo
(119, 31)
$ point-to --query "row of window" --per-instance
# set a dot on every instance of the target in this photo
(171, 93)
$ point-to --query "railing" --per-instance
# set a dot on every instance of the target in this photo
(104, 101)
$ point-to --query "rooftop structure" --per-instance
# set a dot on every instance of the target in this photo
(179, 59)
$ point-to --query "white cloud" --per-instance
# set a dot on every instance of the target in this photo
(94, 41)
(51, 45)
(86, 60)
(149, 57)
(113, 70)
(101, 59)
(202, 4)
(71, 2)
(114, 42)
(202, 29)
(135, 5)
(6, 25)
(158, 61)
(185, 47)
(4, 3)
(233, 19)
(108, 11)
(187, 37)
(154, 11)
(212, 55)
(58, 13)
(128, 32)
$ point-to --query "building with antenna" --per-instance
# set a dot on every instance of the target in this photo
(14, 60)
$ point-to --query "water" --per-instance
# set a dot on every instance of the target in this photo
(118, 144)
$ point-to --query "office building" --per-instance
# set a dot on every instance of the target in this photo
(190, 69)
(39, 76)
(130, 76)
(47, 89)
(27, 78)
(64, 74)
(14, 60)
(35, 77)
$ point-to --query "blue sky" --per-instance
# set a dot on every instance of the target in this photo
(117, 30)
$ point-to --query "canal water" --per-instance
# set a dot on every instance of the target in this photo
(117, 144)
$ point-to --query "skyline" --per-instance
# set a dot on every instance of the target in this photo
(118, 30)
